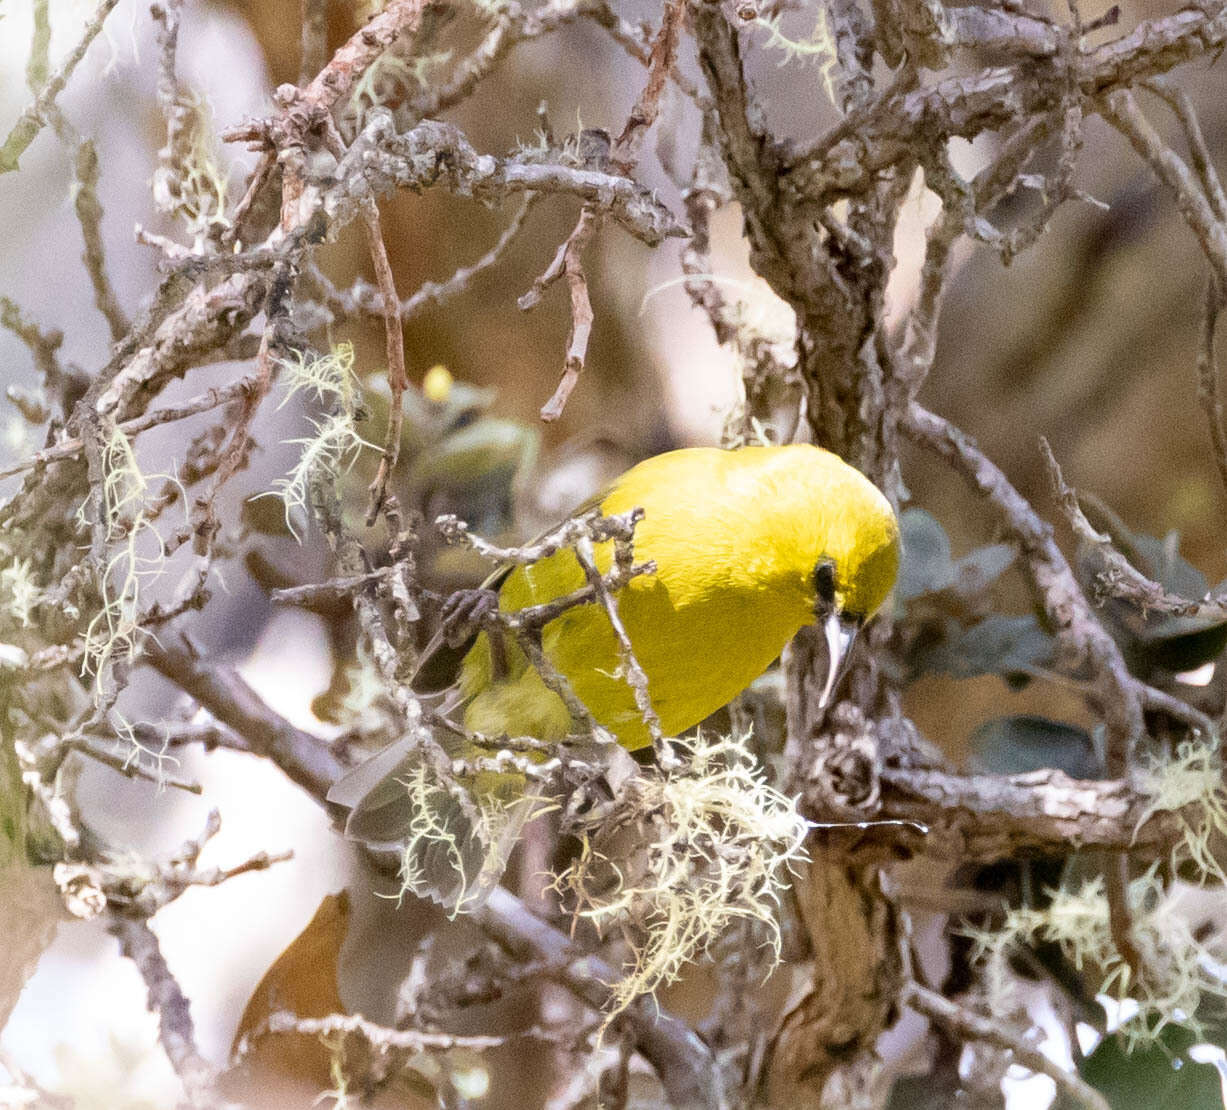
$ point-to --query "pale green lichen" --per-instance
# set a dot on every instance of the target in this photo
(430, 832)
(142, 754)
(818, 47)
(392, 77)
(339, 1093)
(23, 594)
(717, 848)
(329, 377)
(192, 182)
(136, 553)
(331, 450)
(365, 702)
(1190, 784)
(336, 443)
(1178, 962)
(124, 486)
(459, 837)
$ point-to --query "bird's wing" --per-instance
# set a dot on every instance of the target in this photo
(360, 784)
(458, 853)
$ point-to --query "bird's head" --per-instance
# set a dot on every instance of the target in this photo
(851, 583)
(845, 545)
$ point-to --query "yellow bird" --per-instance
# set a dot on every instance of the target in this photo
(750, 545)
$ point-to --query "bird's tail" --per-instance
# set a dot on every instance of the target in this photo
(453, 832)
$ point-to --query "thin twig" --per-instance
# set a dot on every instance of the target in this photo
(1120, 913)
(69, 448)
(1203, 162)
(314, 51)
(620, 526)
(1069, 612)
(260, 176)
(518, 23)
(363, 297)
(234, 455)
(378, 1037)
(1120, 578)
(89, 215)
(335, 589)
(335, 82)
(38, 115)
(526, 624)
(398, 378)
(969, 1025)
(176, 1033)
(306, 760)
(1121, 110)
(567, 261)
(636, 676)
(987, 189)
(43, 345)
(1208, 393)
(682, 1061)
(120, 756)
(1117, 694)
(661, 60)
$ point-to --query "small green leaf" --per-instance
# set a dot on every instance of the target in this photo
(929, 568)
(1007, 646)
(927, 565)
(979, 569)
(1002, 645)
(1184, 651)
(1023, 743)
(1159, 1076)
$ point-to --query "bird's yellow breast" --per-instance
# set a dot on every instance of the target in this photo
(735, 536)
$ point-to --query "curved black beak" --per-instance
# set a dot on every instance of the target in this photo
(840, 632)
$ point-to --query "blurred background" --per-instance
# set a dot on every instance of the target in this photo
(1089, 339)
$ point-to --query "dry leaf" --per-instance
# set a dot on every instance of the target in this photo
(302, 980)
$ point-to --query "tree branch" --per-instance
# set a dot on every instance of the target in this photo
(138, 942)
(969, 1025)
(994, 817)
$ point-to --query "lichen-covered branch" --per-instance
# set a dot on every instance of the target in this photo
(381, 159)
(821, 214)
(993, 817)
(34, 118)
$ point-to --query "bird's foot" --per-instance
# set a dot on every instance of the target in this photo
(466, 612)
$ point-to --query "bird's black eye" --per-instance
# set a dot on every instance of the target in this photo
(824, 581)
